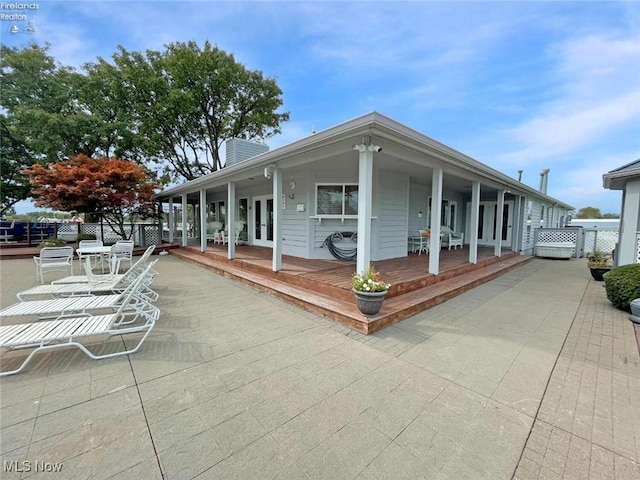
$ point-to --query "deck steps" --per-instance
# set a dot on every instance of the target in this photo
(341, 307)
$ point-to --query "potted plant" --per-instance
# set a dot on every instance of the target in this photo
(369, 290)
(599, 263)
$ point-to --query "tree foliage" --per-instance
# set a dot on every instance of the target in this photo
(589, 212)
(172, 110)
(50, 112)
(187, 101)
(119, 190)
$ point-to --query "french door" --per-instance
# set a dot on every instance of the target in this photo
(488, 229)
(263, 220)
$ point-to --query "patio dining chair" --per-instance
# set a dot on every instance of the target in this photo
(53, 258)
(131, 317)
(423, 241)
(123, 250)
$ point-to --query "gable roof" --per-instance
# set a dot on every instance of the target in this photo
(370, 124)
(616, 179)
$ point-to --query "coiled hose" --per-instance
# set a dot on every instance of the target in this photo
(347, 254)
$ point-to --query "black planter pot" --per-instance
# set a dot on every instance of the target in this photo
(369, 303)
(635, 311)
(598, 272)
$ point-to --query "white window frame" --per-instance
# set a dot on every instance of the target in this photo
(334, 184)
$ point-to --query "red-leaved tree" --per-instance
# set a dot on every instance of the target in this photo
(118, 190)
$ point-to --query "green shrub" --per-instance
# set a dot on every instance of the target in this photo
(86, 236)
(623, 285)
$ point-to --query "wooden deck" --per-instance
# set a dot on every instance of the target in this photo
(324, 286)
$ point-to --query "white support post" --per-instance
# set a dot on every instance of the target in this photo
(184, 220)
(473, 222)
(516, 224)
(172, 220)
(436, 221)
(499, 223)
(365, 207)
(231, 220)
(203, 220)
(277, 220)
(627, 237)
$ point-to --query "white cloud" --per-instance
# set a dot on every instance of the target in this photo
(596, 93)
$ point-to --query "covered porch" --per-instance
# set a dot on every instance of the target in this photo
(324, 286)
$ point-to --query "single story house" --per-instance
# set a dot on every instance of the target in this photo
(376, 181)
(627, 179)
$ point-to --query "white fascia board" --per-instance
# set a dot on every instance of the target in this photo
(611, 180)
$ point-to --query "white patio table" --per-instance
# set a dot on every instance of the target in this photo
(98, 252)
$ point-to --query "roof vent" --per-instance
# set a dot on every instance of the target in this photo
(544, 174)
(238, 150)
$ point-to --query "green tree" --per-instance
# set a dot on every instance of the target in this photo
(49, 113)
(589, 212)
(187, 101)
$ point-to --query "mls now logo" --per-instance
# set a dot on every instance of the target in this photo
(29, 466)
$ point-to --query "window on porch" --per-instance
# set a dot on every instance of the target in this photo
(337, 199)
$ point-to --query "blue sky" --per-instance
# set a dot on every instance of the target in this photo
(518, 85)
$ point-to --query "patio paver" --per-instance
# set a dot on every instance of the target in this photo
(533, 374)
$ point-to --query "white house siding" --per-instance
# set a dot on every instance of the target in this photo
(295, 224)
(391, 231)
(418, 195)
(322, 229)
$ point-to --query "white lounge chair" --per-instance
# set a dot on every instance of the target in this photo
(78, 306)
(66, 332)
(53, 258)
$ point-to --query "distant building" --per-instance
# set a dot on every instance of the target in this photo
(600, 223)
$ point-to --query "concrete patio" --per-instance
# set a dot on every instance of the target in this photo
(531, 375)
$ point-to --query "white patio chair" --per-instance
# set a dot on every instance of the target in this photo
(135, 269)
(53, 258)
(213, 231)
(423, 241)
(123, 250)
(239, 225)
(451, 238)
(63, 333)
(63, 307)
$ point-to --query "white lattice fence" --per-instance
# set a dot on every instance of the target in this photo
(143, 234)
(600, 240)
(638, 247)
(557, 235)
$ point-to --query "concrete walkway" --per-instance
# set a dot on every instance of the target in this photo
(532, 375)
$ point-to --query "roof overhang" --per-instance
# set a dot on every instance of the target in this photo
(379, 127)
(617, 180)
